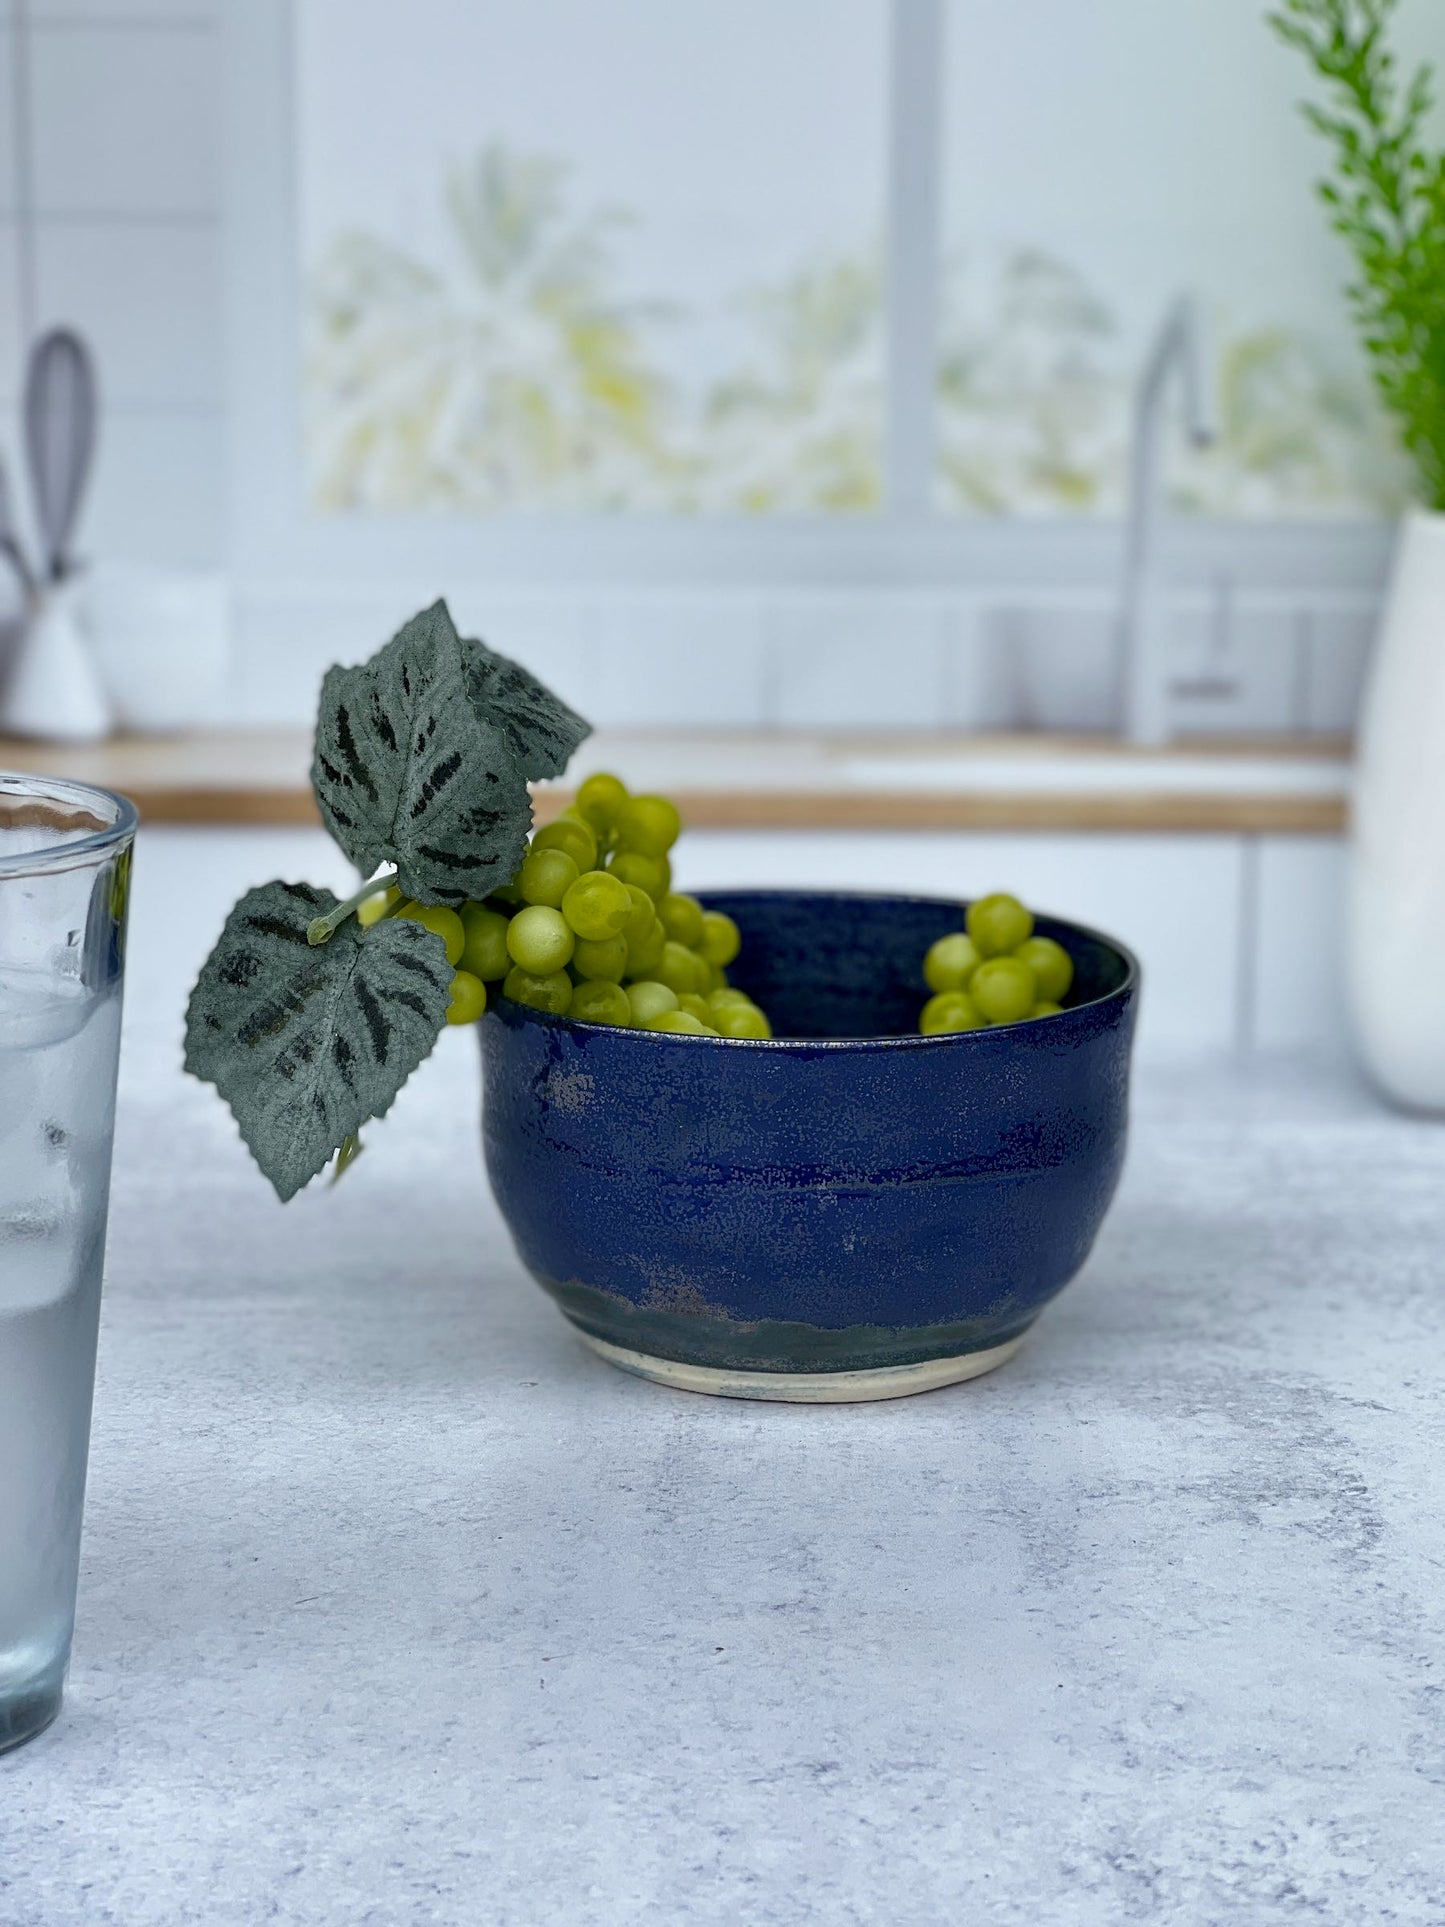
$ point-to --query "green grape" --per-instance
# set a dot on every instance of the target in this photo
(1003, 988)
(644, 953)
(1052, 966)
(539, 940)
(442, 922)
(506, 896)
(681, 1021)
(681, 918)
(689, 1000)
(375, 908)
(643, 914)
(597, 1002)
(726, 998)
(571, 834)
(599, 802)
(721, 938)
(649, 999)
(950, 1010)
(648, 823)
(551, 992)
(603, 961)
(742, 1020)
(485, 951)
(1046, 1007)
(680, 967)
(652, 874)
(950, 962)
(597, 906)
(469, 998)
(546, 876)
(714, 977)
(998, 924)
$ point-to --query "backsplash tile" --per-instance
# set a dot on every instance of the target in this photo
(149, 104)
(866, 661)
(149, 299)
(12, 346)
(159, 490)
(686, 660)
(9, 120)
(124, 12)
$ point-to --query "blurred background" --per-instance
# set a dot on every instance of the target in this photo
(895, 418)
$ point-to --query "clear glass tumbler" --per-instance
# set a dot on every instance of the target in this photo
(65, 854)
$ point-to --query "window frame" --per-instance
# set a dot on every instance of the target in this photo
(275, 537)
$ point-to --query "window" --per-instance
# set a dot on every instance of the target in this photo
(853, 290)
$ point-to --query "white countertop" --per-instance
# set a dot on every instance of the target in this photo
(398, 1606)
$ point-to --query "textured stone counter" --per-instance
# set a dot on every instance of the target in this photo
(399, 1607)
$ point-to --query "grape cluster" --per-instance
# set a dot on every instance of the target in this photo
(591, 927)
(995, 971)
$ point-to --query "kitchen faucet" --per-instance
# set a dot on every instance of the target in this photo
(1144, 617)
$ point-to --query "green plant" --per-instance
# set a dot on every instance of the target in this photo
(306, 1017)
(1388, 203)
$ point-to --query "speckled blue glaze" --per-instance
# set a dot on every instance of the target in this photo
(848, 1196)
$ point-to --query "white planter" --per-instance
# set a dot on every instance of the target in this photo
(1397, 855)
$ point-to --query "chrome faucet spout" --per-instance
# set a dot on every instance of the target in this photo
(1180, 345)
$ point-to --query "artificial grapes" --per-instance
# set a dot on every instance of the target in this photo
(551, 991)
(648, 824)
(546, 876)
(950, 963)
(469, 998)
(1052, 966)
(485, 951)
(571, 834)
(540, 940)
(603, 959)
(375, 908)
(681, 918)
(590, 928)
(599, 1002)
(442, 922)
(650, 999)
(998, 924)
(597, 906)
(994, 972)
(599, 802)
(721, 938)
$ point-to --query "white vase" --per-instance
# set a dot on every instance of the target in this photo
(52, 691)
(1397, 851)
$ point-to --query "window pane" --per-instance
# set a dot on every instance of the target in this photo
(573, 256)
(1100, 159)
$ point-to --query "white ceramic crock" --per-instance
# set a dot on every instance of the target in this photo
(1396, 940)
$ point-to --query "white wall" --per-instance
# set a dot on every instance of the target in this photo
(110, 219)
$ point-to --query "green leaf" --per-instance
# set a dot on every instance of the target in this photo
(408, 770)
(305, 1043)
(543, 731)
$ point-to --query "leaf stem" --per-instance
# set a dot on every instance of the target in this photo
(323, 929)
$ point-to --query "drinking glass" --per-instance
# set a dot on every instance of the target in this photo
(65, 853)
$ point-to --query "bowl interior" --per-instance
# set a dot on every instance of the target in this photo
(830, 963)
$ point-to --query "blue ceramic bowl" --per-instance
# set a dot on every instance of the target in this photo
(849, 1211)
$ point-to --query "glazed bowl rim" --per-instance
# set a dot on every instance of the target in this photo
(983, 1038)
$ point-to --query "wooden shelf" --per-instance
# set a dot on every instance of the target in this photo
(752, 781)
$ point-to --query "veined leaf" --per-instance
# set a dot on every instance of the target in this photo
(306, 1043)
(409, 771)
(541, 728)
